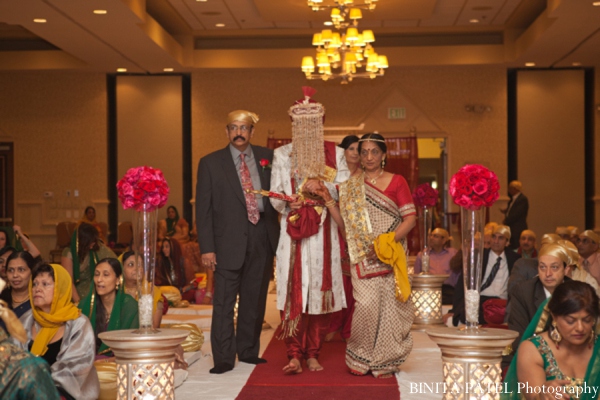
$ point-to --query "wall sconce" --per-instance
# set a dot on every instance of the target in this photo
(478, 108)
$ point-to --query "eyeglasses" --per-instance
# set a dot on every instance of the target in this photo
(241, 128)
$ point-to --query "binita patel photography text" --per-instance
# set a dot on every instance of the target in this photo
(480, 388)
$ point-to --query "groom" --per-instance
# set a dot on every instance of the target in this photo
(238, 234)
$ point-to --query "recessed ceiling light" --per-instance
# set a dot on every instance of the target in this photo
(576, 64)
(121, 69)
(328, 23)
(530, 64)
(39, 20)
(100, 12)
(202, 1)
(219, 25)
(168, 69)
(596, 3)
(474, 21)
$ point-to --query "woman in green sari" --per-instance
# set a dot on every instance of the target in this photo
(559, 352)
(81, 257)
(108, 307)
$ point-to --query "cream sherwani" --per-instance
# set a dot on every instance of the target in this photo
(312, 247)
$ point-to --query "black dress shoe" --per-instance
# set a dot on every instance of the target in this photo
(221, 368)
(253, 360)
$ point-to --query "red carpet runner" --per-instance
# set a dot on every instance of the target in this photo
(267, 381)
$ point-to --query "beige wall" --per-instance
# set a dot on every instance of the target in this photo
(550, 147)
(149, 131)
(57, 121)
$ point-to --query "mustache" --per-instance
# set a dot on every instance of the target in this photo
(239, 137)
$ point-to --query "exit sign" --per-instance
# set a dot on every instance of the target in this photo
(396, 113)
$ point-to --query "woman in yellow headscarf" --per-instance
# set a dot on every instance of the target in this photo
(57, 332)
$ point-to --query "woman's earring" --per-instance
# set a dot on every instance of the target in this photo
(555, 334)
(383, 163)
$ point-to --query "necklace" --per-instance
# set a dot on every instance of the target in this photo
(15, 302)
(374, 180)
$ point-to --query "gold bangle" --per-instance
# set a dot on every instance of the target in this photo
(330, 203)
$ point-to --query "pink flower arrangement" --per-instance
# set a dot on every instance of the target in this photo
(425, 196)
(143, 186)
(474, 186)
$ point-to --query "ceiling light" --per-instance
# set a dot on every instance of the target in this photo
(596, 3)
(576, 64)
(219, 25)
(474, 21)
(530, 64)
(121, 69)
(327, 23)
(39, 20)
(100, 12)
(168, 69)
(202, 1)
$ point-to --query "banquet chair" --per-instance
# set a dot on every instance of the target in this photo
(64, 231)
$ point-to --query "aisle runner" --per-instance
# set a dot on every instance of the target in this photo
(267, 381)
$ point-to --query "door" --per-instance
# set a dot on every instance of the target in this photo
(6, 184)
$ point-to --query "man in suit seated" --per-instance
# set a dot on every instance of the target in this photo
(588, 247)
(527, 244)
(497, 265)
(525, 298)
(527, 268)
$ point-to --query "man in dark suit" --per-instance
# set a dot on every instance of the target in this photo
(496, 268)
(516, 213)
(238, 234)
(527, 296)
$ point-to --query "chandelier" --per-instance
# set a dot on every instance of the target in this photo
(344, 51)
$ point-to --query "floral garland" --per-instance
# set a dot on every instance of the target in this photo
(474, 186)
(143, 186)
(425, 196)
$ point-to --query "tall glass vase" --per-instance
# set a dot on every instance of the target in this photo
(472, 223)
(144, 242)
(425, 230)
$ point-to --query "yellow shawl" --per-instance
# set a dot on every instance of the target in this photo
(392, 253)
(61, 311)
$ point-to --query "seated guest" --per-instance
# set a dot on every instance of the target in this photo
(576, 272)
(563, 232)
(23, 376)
(107, 307)
(588, 252)
(4, 241)
(131, 269)
(574, 232)
(27, 244)
(170, 270)
(527, 244)
(81, 257)
(89, 217)
(559, 350)
(439, 262)
(5, 252)
(58, 333)
(178, 228)
(18, 273)
(497, 265)
(527, 268)
(527, 296)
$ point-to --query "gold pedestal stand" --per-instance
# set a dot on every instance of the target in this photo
(427, 299)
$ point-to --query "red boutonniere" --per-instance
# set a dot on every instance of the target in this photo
(264, 163)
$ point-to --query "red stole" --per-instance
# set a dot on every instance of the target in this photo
(292, 312)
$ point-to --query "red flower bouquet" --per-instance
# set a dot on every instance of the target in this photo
(143, 186)
(474, 186)
(425, 196)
